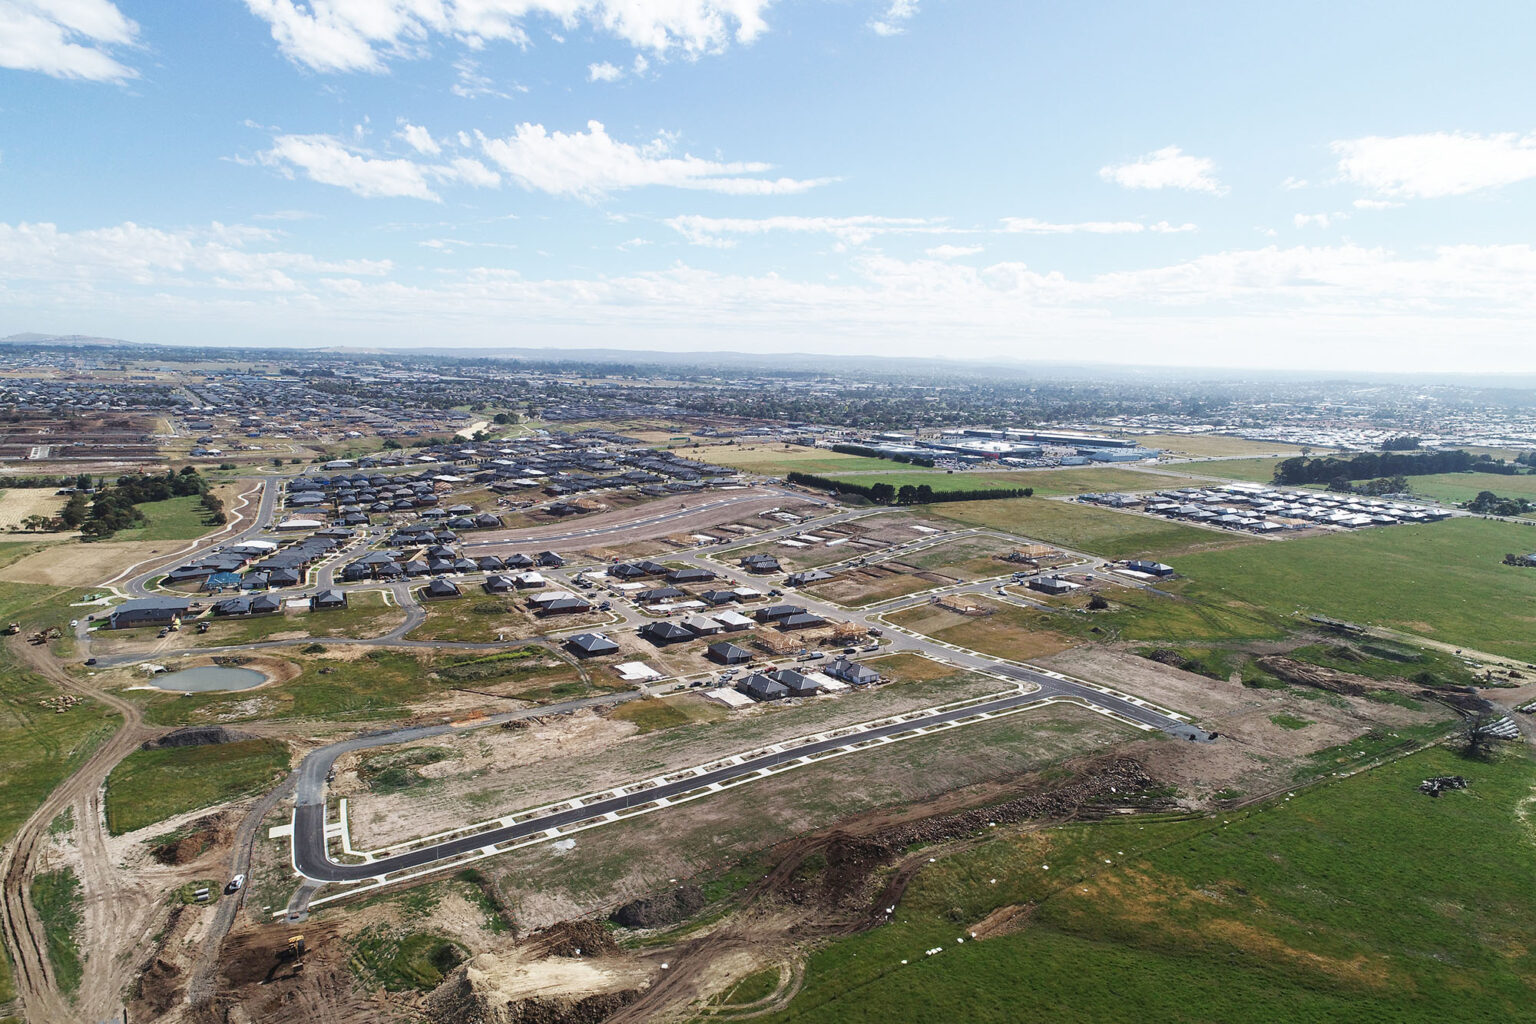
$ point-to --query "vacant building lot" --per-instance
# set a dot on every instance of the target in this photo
(1003, 630)
(1259, 471)
(1443, 581)
(959, 558)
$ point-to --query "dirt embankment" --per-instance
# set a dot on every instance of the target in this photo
(570, 973)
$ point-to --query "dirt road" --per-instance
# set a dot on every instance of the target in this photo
(118, 917)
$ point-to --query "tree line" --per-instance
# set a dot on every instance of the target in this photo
(1375, 465)
(907, 494)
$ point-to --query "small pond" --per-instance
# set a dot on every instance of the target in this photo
(210, 679)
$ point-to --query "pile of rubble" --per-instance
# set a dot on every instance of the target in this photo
(1442, 784)
(61, 702)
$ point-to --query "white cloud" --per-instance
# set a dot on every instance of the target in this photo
(1376, 204)
(604, 72)
(951, 252)
(469, 83)
(1031, 226)
(1169, 167)
(418, 138)
(329, 161)
(1292, 183)
(715, 231)
(468, 171)
(893, 22)
(641, 65)
(592, 164)
(362, 35)
(66, 38)
(1321, 220)
(219, 256)
(1437, 164)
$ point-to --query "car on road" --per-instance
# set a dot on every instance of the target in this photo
(90, 661)
(235, 884)
(850, 650)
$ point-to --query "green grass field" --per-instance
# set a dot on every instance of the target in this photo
(1097, 531)
(1442, 580)
(1259, 471)
(1456, 487)
(57, 899)
(1359, 900)
(151, 785)
(172, 519)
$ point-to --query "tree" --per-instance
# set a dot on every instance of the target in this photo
(1096, 603)
(278, 463)
(1477, 736)
(882, 493)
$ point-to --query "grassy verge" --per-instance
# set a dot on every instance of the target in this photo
(56, 898)
(151, 785)
(1338, 904)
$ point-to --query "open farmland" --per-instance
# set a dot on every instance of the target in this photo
(1086, 528)
(1443, 581)
(1335, 904)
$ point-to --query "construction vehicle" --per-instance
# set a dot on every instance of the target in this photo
(295, 949)
(13, 629)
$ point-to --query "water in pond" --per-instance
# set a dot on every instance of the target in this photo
(210, 678)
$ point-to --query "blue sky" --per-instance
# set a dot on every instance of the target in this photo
(1300, 186)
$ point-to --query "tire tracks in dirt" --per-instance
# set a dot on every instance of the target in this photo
(117, 917)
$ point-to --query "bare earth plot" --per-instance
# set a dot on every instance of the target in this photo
(503, 770)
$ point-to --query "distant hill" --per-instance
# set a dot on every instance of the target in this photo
(31, 338)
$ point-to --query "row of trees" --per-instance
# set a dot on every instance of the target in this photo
(907, 494)
(1373, 465)
(1489, 504)
(875, 453)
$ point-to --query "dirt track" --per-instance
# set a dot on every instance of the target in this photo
(118, 916)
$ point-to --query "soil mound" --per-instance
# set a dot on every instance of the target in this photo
(199, 736)
(658, 911)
